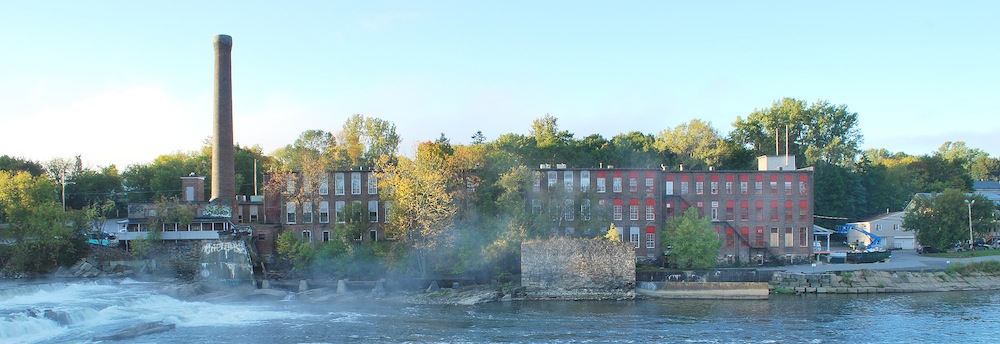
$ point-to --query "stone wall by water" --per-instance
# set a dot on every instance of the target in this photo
(225, 261)
(577, 269)
(872, 281)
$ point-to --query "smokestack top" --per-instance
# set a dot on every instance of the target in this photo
(223, 39)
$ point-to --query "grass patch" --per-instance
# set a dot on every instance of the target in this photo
(989, 267)
(783, 290)
(965, 254)
(847, 278)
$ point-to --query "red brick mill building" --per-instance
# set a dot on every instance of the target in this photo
(763, 214)
(760, 215)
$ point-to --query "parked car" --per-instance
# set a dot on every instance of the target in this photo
(927, 249)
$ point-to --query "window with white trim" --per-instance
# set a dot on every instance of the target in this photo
(324, 212)
(633, 236)
(338, 183)
(715, 211)
(633, 212)
(355, 183)
(553, 178)
(568, 180)
(601, 187)
(339, 208)
(372, 184)
(650, 240)
(585, 209)
(616, 184)
(324, 184)
(584, 181)
(618, 212)
(290, 213)
(633, 185)
(307, 212)
(372, 211)
(714, 188)
(650, 212)
(699, 188)
(569, 209)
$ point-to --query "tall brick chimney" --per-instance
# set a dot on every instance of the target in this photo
(223, 166)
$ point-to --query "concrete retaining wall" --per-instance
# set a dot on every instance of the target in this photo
(871, 281)
(578, 269)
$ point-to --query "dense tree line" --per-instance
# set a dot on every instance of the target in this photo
(459, 208)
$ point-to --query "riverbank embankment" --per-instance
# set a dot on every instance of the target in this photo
(875, 281)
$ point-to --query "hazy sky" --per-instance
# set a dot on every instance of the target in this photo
(122, 82)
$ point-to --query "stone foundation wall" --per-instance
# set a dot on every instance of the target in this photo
(871, 281)
(578, 269)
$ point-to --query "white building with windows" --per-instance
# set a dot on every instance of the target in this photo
(889, 227)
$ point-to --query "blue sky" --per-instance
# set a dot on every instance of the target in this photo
(122, 82)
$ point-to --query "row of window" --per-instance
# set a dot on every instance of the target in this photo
(339, 184)
(552, 178)
(699, 188)
(291, 213)
(307, 236)
(777, 237)
(777, 212)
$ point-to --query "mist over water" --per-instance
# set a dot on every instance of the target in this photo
(77, 312)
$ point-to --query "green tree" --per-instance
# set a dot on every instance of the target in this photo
(33, 226)
(362, 140)
(942, 220)
(293, 249)
(817, 132)
(422, 209)
(696, 144)
(694, 244)
(14, 164)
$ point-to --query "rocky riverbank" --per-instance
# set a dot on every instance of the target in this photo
(872, 281)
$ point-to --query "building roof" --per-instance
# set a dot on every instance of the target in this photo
(986, 185)
(880, 216)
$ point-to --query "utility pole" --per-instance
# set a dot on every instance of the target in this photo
(970, 203)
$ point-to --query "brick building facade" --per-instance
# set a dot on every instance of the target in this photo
(313, 208)
(758, 214)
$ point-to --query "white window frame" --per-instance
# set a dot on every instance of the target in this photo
(584, 181)
(570, 209)
(338, 183)
(372, 208)
(617, 212)
(355, 183)
(650, 213)
(372, 184)
(650, 240)
(602, 186)
(585, 209)
(715, 210)
(633, 212)
(616, 185)
(339, 208)
(714, 187)
(324, 212)
(568, 180)
(553, 178)
(307, 213)
(324, 184)
(290, 213)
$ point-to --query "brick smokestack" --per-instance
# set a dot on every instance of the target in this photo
(223, 166)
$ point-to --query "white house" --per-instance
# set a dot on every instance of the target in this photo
(889, 227)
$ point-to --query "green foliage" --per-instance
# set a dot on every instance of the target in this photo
(818, 132)
(987, 267)
(943, 220)
(694, 244)
(34, 226)
(294, 250)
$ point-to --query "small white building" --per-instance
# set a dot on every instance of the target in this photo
(889, 227)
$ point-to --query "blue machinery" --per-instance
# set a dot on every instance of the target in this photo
(876, 241)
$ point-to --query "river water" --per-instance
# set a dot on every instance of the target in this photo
(80, 311)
